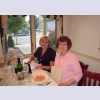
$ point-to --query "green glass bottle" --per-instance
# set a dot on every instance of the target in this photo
(19, 65)
(19, 70)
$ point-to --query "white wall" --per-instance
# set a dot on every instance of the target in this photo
(93, 65)
(84, 31)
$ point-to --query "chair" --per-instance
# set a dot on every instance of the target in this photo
(84, 67)
(93, 78)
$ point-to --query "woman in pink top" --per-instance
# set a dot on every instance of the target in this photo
(71, 73)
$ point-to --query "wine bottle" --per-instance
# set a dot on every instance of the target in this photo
(19, 65)
(19, 69)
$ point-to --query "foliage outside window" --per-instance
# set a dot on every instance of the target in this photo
(10, 41)
(15, 24)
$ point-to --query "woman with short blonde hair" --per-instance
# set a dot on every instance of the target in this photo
(45, 38)
(44, 54)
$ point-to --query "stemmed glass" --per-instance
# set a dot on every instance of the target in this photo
(27, 75)
(13, 63)
(8, 57)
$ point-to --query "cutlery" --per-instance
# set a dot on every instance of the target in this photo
(44, 84)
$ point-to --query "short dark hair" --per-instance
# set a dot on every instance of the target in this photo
(64, 39)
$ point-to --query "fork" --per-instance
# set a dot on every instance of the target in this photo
(44, 84)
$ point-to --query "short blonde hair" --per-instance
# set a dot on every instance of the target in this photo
(45, 38)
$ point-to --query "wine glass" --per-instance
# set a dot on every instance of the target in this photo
(19, 78)
(8, 57)
(25, 72)
(27, 75)
(13, 63)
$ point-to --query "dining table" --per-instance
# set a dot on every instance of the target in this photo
(35, 72)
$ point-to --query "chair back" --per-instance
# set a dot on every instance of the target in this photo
(84, 67)
(91, 79)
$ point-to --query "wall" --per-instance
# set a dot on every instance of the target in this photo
(84, 31)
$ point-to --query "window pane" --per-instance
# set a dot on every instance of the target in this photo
(51, 31)
(18, 34)
(38, 28)
(45, 26)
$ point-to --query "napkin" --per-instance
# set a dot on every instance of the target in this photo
(33, 65)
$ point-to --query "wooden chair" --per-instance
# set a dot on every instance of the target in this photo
(84, 67)
(93, 78)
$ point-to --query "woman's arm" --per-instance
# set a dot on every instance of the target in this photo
(31, 58)
(68, 83)
(46, 67)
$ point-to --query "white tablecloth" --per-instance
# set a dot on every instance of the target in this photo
(34, 73)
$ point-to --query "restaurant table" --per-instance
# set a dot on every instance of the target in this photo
(34, 73)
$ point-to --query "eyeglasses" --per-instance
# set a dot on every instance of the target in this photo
(62, 44)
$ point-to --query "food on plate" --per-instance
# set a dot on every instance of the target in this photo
(39, 78)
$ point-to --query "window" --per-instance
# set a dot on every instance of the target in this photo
(18, 35)
(27, 34)
(45, 26)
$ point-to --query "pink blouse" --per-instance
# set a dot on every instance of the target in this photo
(71, 67)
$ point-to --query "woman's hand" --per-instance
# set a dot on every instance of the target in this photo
(29, 62)
(30, 59)
(62, 84)
(39, 67)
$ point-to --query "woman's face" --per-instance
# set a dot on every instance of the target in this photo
(44, 43)
(63, 47)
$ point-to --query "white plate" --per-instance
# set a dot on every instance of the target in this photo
(42, 81)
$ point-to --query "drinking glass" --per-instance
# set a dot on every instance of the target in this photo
(27, 76)
(19, 78)
(13, 63)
